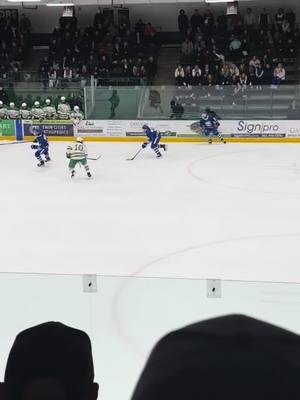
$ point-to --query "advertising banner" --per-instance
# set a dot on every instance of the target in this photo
(50, 128)
(134, 128)
(7, 127)
(100, 128)
(253, 128)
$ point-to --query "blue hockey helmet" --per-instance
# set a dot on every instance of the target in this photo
(36, 130)
(145, 126)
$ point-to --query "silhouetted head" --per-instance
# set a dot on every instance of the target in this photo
(50, 361)
(233, 357)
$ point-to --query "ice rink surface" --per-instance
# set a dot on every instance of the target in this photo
(222, 211)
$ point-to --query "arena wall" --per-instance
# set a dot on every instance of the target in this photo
(171, 130)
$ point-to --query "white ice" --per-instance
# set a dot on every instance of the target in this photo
(222, 211)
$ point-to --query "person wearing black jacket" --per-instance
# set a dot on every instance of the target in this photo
(183, 23)
(177, 110)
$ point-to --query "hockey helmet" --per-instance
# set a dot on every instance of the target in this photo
(79, 139)
(1, 103)
(36, 130)
(48, 102)
(76, 108)
(63, 99)
(145, 126)
(36, 103)
(204, 115)
(24, 105)
(12, 104)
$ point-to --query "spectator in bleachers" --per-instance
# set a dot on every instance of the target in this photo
(179, 75)
(149, 34)
(25, 24)
(250, 19)
(50, 361)
(151, 68)
(278, 75)
(187, 49)
(291, 18)
(208, 21)
(3, 96)
(279, 18)
(235, 48)
(183, 23)
(196, 71)
(98, 19)
(196, 21)
(188, 77)
(264, 20)
(259, 76)
(268, 74)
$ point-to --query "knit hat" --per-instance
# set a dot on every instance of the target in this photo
(50, 351)
(233, 357)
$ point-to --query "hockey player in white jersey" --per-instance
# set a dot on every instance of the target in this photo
(3, 110)
(63, 109)
(12, 112)
(77, 153)
(24, 112)
(37, 112)
(77, 115)
(49, 110)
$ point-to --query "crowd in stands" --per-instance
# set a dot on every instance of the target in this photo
(103, 50)
(14, 44)
(221, 357)
(237, 50)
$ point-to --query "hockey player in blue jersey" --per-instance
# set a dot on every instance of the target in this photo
(41, 145)
(153, 139)
(209, 125)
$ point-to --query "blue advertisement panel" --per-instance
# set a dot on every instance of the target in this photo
(50, 128)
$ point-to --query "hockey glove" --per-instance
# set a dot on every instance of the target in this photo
(68, 155)
(144, 145)
(34, 146)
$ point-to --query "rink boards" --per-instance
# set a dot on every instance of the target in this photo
(171, 130)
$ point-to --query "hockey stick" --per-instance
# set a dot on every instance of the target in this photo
(131, 159)
(94, 159)
(19, 142)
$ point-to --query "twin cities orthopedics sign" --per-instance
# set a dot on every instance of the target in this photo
(50, 128)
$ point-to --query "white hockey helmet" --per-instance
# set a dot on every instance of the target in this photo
(63, 99)
(48, 102)
(1, 103)
(79, 139)
(36, 103)
(76, 108)
(24, 105)
(11, 104)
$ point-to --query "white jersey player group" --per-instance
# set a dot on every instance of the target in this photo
(48, 111)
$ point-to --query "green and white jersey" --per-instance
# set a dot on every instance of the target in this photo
(37, 113)
(63, 111)
(3, 112)
(25, 114)
(77, 151)
(77, 115)
(50, 112)
(13, 113)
